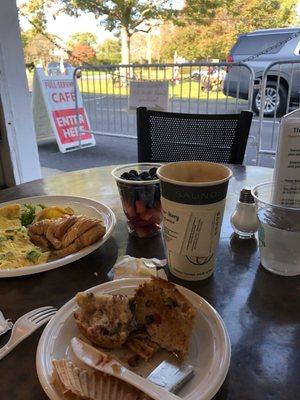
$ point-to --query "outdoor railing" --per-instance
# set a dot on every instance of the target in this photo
(279, 90)
(193, 88)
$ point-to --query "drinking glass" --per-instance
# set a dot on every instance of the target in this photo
(279, 233)
(140, 200)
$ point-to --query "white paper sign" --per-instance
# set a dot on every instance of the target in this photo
(287, 162)
(54, 111)
(153, 95)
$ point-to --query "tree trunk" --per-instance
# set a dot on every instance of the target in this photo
(149, 47)
(125, 46)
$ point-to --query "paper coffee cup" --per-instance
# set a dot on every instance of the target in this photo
(193, 195)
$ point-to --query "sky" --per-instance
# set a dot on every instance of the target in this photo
(64, 26)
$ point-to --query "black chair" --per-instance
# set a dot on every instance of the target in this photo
(166, 136)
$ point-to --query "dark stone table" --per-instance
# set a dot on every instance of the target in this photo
(261, 310)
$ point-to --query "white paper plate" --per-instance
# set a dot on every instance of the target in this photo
(80, 205)
(209, 348)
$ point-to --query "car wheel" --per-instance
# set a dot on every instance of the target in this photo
(270, 100)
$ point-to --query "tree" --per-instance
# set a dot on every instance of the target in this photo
(82, 38)
(257, 14)
(201, 38)
(139, 47)
(126, 17)
(109, 52)
(83, 53)
(36, 9)
(37, 48)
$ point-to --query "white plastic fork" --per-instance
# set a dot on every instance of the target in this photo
(25, 326)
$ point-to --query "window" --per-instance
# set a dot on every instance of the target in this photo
(255, 44)
(297, 50)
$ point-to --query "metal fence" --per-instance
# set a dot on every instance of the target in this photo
(193, 88)
(279, 91)
(209, 88)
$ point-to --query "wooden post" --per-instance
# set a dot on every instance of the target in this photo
(19, 152)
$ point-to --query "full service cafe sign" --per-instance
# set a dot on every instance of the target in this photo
(55, 112)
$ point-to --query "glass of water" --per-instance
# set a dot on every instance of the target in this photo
(278, 233)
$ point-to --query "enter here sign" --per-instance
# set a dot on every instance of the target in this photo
(66, 125)
(54, 109)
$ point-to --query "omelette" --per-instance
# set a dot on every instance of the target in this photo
(32, 234)
(16, 249)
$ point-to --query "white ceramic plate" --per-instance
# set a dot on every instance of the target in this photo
(80, 205)
(209, 348)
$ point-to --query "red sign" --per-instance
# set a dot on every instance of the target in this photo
(66, 125)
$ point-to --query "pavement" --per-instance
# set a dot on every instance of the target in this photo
(108, 151)
(108, 114)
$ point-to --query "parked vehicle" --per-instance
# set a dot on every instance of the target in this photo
(237, 79)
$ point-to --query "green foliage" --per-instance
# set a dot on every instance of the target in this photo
(201, 11)
(204, 28)
(257, 14)
(205, 37)
(114, 14)
(82, 38)
(109, 52)
(36, 9)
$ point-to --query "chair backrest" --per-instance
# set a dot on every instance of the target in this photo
(166, 136)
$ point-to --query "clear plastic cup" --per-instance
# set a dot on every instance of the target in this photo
(140, 200)
(279, 233)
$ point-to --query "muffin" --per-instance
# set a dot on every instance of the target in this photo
(106, 320)
(140, 344)
(166, 314)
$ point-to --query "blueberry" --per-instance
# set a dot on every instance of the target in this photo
(132, 177)
(152, 171)
(149, 319)
(133, 172)
(144, 175)
(125, 175)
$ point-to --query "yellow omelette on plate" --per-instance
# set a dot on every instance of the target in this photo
(16, 249)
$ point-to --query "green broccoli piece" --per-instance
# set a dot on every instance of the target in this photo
(33, 255)
(28, 214)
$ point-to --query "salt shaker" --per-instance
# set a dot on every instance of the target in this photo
(244, 219)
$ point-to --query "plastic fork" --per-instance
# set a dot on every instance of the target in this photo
(25, 326)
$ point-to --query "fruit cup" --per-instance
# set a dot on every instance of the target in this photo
(140, 195)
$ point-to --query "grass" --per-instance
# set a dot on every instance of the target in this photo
(101, 82)
(184, 89)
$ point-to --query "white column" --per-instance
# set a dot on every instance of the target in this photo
(19, 152)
